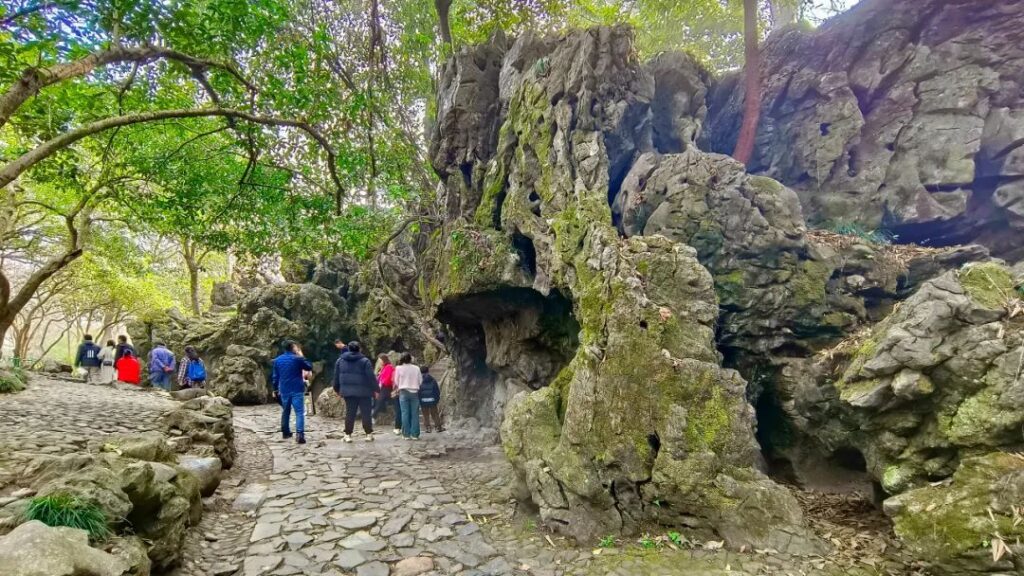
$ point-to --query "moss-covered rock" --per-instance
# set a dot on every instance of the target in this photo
(953, 524)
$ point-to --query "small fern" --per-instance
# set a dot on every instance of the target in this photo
(62, 509)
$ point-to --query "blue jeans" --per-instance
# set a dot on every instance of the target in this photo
(161, 379)
(410, 403)
(289, 401)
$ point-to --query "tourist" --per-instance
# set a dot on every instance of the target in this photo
(106, 357)
(355, 381)
(161, 366)
(122, 347)
(88, 358)
(290, 388)
(407, 382)
(340, 345)
(386, 382)
(128, 368)
(430, 396)
(192, 371)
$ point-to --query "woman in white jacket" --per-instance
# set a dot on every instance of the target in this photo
(106, 358)
(407, 384)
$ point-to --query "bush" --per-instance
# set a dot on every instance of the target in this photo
(12, 380)
(62, 509)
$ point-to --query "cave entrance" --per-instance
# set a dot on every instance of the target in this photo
(502, 342)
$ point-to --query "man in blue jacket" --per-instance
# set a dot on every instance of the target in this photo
(290, 388)
(88, 357)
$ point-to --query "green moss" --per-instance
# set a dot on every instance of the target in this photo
(897, 478)
(707, 420)
(808, 283)
(12, 380)
(731, 286)
(989, 284)
(984, 420)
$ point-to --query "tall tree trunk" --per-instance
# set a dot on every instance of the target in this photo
(188, 250)
(752, 85)
(442, 7)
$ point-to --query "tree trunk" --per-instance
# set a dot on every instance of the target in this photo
(442, 7)
(188, 250)
(752, 85)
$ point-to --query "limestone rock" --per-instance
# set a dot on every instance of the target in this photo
(329, 404)
(206, 470)
(207, 424)
(904, 114)
(35, 549)
(950, 523)
(933, 383)
(633, 405)
(225, 294)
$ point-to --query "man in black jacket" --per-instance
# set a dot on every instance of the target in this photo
(88, 357)
(355, 381)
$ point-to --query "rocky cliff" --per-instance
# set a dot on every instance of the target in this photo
(907, 116)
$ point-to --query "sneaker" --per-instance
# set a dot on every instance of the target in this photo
(414, 438)
(300, 439)
(406, 438)
(347, 438)
(398, 431)
(369, 437)
(286, 435)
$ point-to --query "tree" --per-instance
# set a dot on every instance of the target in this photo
(751, 84)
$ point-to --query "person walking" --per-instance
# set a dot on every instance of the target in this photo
(122, 347)
(407, 381)
(161, 366)
(191, 371)
(128, 368)
(290, 389)
(106, 357)
(355, 381)
(430, 396)
(87, 357)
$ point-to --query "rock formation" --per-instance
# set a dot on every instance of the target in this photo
(902, 115)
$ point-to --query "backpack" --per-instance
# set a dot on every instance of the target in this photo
(196, 371)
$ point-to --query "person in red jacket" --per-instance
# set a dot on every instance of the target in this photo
(386, 380)
(128, 368)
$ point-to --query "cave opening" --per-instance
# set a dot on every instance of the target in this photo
(524, 247)
(503, 342)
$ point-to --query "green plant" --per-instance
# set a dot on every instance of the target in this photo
(62, 509)
(648, 543)
(676, 538)
(877, 236)
(12, 380)
(607, 542)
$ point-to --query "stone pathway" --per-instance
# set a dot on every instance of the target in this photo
(440, 506)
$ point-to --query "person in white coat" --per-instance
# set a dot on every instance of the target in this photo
(106, 357)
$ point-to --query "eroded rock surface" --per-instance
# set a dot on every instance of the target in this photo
(903, 114)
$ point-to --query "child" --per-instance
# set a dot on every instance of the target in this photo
(128, 368)
(430, 396)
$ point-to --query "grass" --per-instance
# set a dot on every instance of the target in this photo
(12, 380)
(62, 509)
(878, 236)
(606, 542)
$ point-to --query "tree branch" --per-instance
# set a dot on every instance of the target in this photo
(35, 79)
(7, 21)
(15, 168)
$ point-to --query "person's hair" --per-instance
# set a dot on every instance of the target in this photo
(339, 341)
(353, 346)
(122, 338)
(424, 369)
(158, 343)
(288, 345)
(405, 359)
(384, 358)
(87, 337)
(110, 343)
(190, 351)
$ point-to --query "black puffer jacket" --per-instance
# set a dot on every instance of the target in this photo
(353, 376)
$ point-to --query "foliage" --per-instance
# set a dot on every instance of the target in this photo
(607, 542)
(12, 380)
(63, 509)
(876, 236)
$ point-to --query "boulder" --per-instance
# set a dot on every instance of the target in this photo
(206, 470)
(225, 294)
(952, 524)
(35, 549)
(148, 446)
(132, 551)
(240, 379)
(329, 404)
(208, 425)
(189, 393)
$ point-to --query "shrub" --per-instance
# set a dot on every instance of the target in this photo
(878, 236)
(62, 509)
(12, 380)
